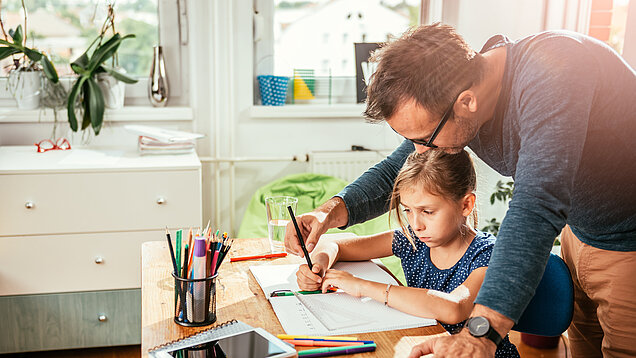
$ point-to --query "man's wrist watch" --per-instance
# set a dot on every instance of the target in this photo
(480, 327)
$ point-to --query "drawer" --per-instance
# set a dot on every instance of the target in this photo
(72, 320)
(98, 201)
(73, 262)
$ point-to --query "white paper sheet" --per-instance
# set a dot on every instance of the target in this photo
(332, 313)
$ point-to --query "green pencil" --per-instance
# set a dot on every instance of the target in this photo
(178, 247)
(329, 351)
(290, 293)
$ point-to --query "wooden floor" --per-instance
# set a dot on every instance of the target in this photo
(135, 352)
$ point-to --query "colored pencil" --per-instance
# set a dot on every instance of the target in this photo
(332, 351)
(312, 343)
(256, 257)
(290, 336)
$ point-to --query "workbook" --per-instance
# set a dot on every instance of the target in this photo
(335, 313)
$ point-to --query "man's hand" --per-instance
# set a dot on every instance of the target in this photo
(312, 225)
(464, 344)
(459, 346)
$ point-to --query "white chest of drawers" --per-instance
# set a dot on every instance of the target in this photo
(71, 228)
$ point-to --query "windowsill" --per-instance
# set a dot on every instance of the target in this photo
(340, 110)
(126, 114)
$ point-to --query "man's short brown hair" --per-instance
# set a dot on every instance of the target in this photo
(430, 64)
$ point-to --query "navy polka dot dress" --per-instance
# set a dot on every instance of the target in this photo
(421, 272)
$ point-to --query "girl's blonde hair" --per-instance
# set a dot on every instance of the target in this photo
(448, 175)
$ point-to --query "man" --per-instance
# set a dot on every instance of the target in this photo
(556, 112)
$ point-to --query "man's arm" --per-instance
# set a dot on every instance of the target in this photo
(365, 198)
(368, 196)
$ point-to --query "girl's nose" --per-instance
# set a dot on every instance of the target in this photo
(418, 223)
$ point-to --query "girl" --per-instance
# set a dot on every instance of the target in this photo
(444, 258)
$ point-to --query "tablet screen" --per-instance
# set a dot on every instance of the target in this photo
(245, 345)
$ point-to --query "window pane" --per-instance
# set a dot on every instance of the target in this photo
(617, 27)
(320, 34)
(64, 28)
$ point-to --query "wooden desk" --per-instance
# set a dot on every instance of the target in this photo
(238, 297)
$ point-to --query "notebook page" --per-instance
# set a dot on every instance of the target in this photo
(342, 312)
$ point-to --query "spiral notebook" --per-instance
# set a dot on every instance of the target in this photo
(229, 339)
(332, 313)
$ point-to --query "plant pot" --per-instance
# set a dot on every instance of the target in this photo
(26, 86)
(542, 342)
(114, 91)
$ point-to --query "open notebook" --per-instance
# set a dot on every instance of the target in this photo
(332, 313)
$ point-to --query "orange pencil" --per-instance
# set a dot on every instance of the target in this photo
(255, 257)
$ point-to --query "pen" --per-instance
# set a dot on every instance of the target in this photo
(290, 336)
(332, 351)
(312, 343)
(255, 257)
(300, 237)
(174, 261)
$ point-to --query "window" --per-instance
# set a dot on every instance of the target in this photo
(64, 29)
(300, 24)
(320, 35)
(618, 25)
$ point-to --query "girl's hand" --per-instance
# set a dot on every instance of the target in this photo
(344, 281)
(310, 280)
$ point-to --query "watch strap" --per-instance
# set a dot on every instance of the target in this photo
(494, 336)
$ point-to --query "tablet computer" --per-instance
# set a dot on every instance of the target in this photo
(247, 343)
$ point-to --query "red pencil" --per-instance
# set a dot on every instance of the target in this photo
(312, 343)
(267, 256)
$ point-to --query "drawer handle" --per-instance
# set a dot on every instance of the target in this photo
(102, 318)
(99, 260)
(161, 200)
(29, 205)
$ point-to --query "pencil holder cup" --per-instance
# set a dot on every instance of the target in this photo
(195, 303)
(273, 89)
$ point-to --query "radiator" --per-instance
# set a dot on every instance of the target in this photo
(347, 165)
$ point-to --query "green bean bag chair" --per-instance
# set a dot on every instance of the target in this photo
(311, 190)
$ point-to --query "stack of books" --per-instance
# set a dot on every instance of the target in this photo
(154, 140)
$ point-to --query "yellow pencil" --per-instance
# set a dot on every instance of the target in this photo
(288, 336)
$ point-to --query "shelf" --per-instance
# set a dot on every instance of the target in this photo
(126, 114)
(340, 110)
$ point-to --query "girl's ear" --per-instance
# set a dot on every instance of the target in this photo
(468, 204)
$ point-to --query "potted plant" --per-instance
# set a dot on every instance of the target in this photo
(87, 96)
(25, 79)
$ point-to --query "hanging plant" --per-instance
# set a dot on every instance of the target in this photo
(86, 97)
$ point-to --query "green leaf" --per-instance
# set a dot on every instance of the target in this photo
(79, 65)
(86, 120)
(49, 70)
(4, 42)
(33, 55)
(95, 105)
(17, 35)
(7, 51)
(72, 99)
(106, 50)
(118, 75)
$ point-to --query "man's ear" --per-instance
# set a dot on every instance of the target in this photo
(467, 102)
(468, 204)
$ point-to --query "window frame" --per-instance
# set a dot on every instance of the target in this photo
(172, 14)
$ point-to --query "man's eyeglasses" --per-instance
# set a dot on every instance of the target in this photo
(46, 144)
(429, 143)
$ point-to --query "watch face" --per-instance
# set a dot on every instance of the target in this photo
(478, 326)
